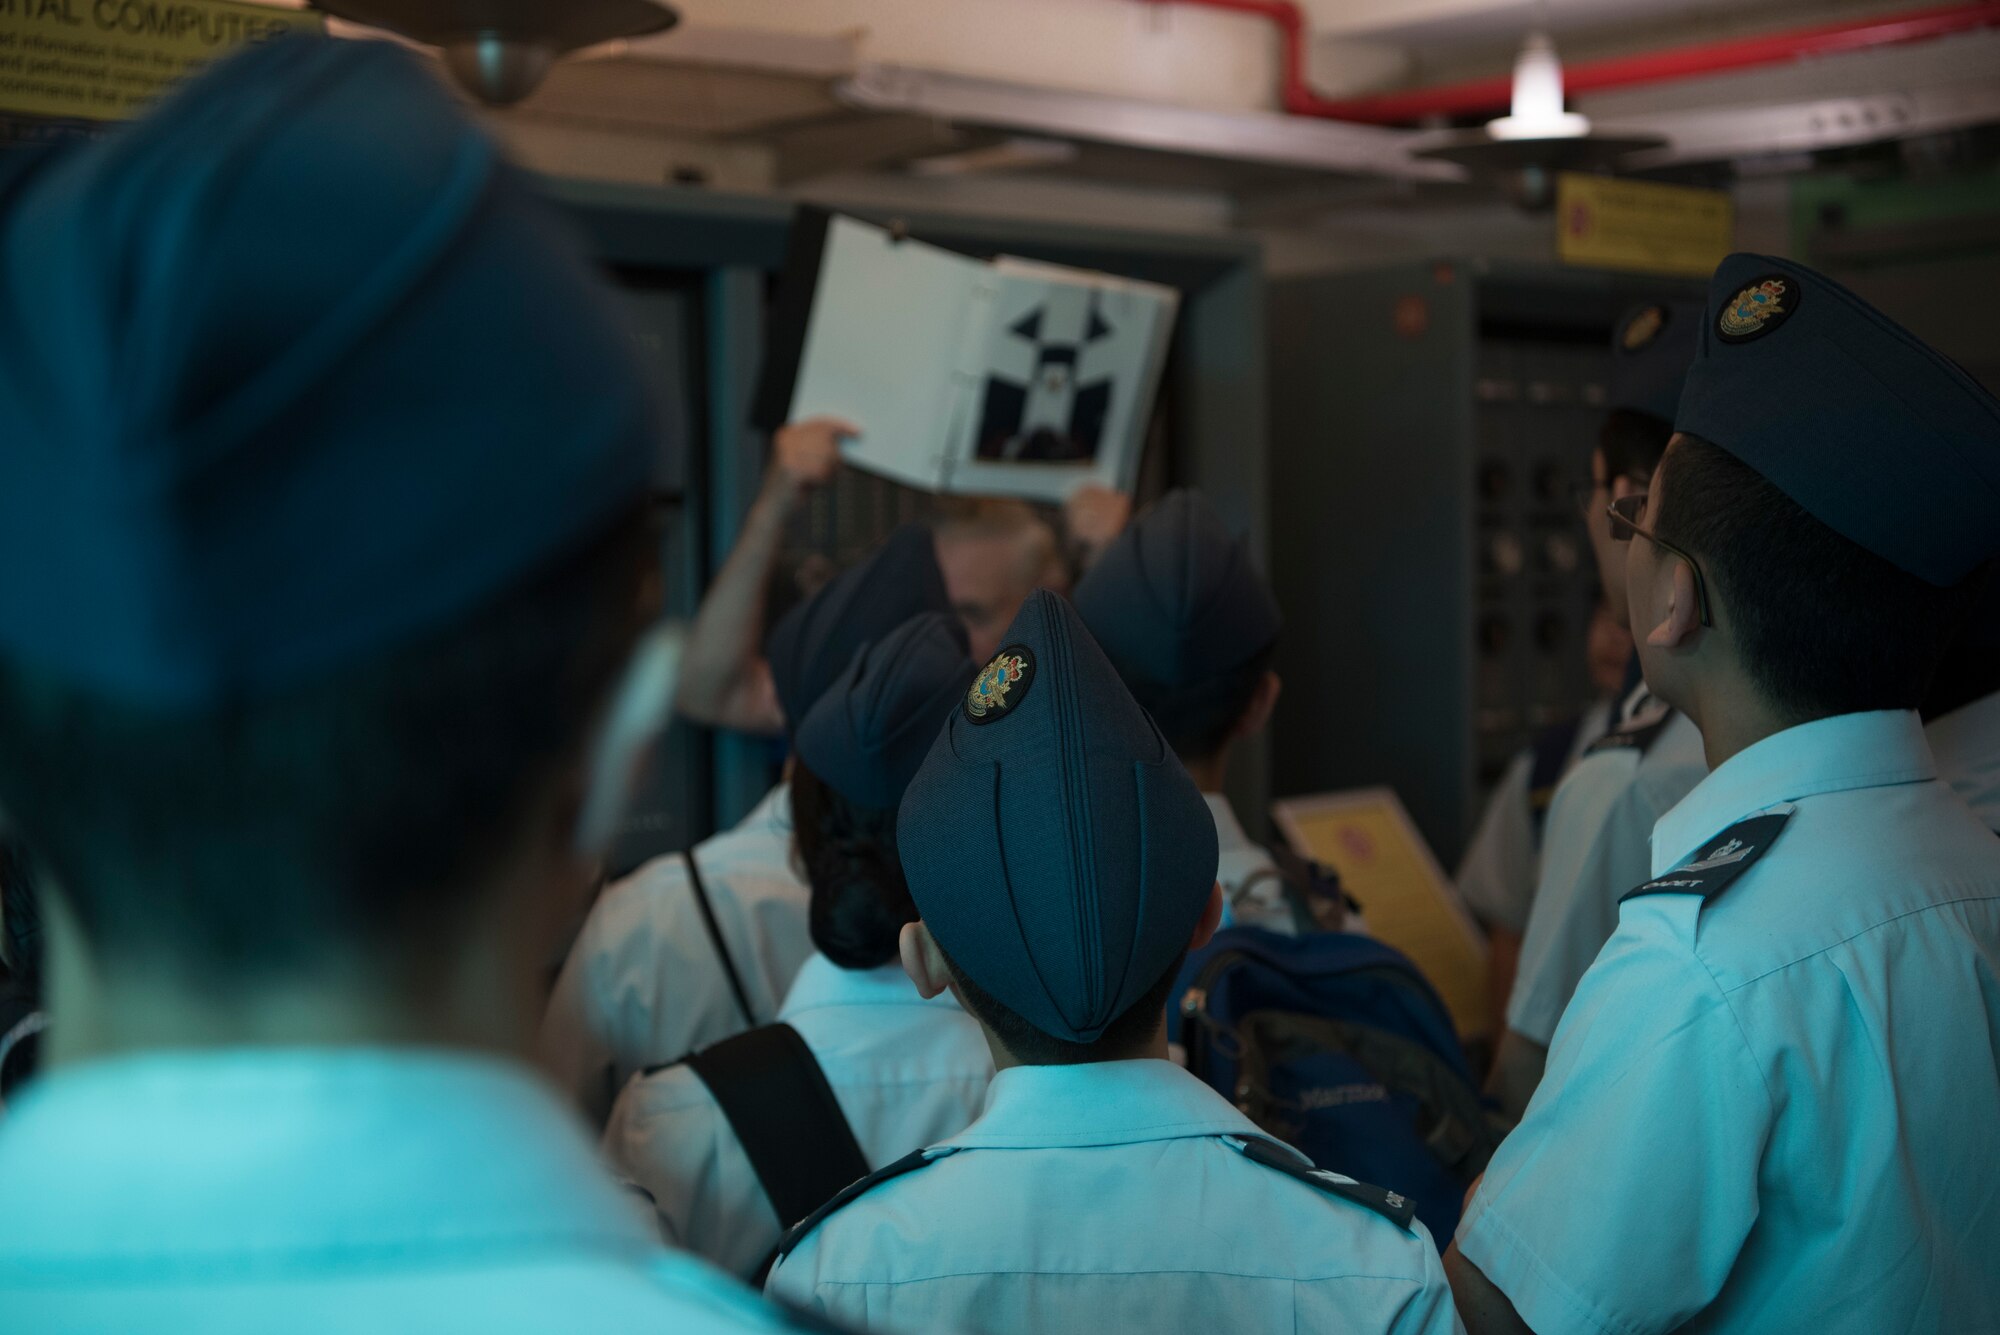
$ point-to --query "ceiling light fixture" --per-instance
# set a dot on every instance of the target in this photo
(1538, 97)
(1523, 152)
(500, 50)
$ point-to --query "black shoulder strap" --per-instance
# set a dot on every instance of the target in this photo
(1728, 855)
(771, 1088)
(1638, 736)
(715, 938)
(1392, 1206)
(847, 1195)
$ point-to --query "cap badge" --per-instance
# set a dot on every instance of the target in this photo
(1643, 328)
(1758, 309)
(1001, 684)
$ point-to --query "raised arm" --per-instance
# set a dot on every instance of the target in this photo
(724, 680)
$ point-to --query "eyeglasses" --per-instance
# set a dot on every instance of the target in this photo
(1624, 514)
(1584, 494)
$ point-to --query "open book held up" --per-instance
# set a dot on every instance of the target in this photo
(1006, 377)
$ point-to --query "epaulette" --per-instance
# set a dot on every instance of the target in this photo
(850, 1193)
(1731, 854)
(1391, 1205)
(1638, 735)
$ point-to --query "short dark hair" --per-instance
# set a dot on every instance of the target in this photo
(1823, 625)
(1633, 442)
(860, 901)
(1126, 1035)
(1197, 720)
(21, 915)
(338, 818)
(1970, 669)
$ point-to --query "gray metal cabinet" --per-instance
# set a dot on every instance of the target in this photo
(1428, 425)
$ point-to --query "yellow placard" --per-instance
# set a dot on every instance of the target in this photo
(105, 60)
(1405, 898)
(1607, 223)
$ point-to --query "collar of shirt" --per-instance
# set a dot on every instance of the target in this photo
(1637, 701)
(1829, 755)
(275, 1157)
(1967, 740)
(763, 837)
(1099, 1103)
(822, 983)
(772, 816)
(1228, 830)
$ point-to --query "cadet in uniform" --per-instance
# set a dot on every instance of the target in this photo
(1178, 609)
(320, 560)
(904, 1070)
(1061, 858)
(1496, 877)
(1773, 1102)
(692, 948)
(1595, 840)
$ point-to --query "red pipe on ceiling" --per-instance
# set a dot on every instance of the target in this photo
(1477, 97)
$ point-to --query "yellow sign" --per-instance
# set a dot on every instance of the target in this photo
(1405, 898)
(1612, 224)
(105, 60)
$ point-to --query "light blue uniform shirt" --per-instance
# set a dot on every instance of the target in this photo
(642, 985)
(326, 1190)
(1779, 1110)
(905, 1071)
(1596, 846)
(1108, 1198)
(1502, 865)
(1966, 743)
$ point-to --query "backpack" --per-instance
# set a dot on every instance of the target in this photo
(1335, 1044)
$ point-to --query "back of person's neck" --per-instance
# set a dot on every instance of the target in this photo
(1154, 1046)
(1209, 773)
(100, 1012)
(1733, 717)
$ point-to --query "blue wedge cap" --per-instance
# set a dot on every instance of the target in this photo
(298, 369)
(1880, 438)
(869, 732)
(1056, 849)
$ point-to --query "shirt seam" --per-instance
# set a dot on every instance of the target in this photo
(1723, 994)
(1869, 930)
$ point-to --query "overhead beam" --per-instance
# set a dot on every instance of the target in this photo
(1705, 135)
(1287, 141)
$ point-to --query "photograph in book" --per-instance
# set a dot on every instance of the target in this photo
(1050, 376)
(1066, 369)
(1006, 377)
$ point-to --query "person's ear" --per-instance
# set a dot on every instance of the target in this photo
(1211, 918)
(922, 960)
(1257, 714)
(1682, 619)
(1624, 485)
